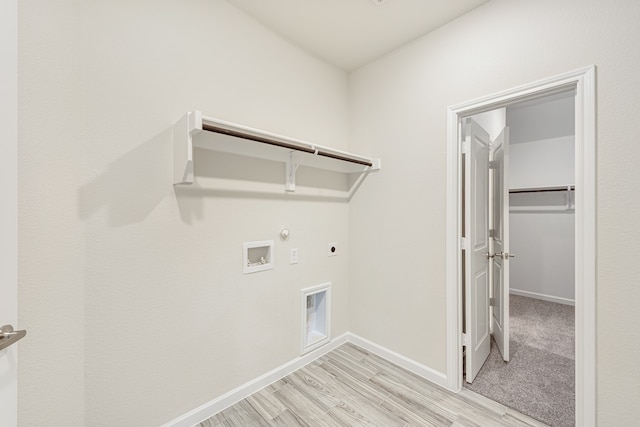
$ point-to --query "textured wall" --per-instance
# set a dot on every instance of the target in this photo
(8, 206)
(544, 242)
(399, 104)
(133, 291)
(51, 257)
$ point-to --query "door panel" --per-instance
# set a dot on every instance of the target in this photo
(477, 280)
(500, 242)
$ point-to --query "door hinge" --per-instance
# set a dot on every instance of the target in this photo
(492, 302)
(464, 340)
(493, 164)
(463, 243)
(466, 146)
(492, 233)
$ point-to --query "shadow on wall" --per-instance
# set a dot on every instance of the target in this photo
(133, 185)
(225, 175)
(136, 183)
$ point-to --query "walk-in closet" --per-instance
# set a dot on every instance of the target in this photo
(539, 377)
(541, 201)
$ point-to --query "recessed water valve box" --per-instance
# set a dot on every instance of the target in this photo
(258, 256)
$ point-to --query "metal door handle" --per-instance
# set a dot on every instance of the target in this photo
(505, 255)
(8, 336)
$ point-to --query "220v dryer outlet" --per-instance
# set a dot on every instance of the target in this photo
(332, 249)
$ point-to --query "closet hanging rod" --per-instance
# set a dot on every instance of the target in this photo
(542, 190)
(319, 150)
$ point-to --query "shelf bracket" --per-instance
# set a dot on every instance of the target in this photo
(183, 131)
(292, 168)
(568, 198)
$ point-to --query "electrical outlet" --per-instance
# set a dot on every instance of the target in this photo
(293, 256)
(332, 249)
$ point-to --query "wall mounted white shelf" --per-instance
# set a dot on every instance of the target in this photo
(195, 130)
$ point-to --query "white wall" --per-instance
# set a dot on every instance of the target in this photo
(544, 244)
(9, 205)
(51, 260)
(397, 221)
(542, 138)
(541, 154)
(132, 291)
(542, 163)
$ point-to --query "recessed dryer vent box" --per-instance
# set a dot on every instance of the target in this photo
(316, 317)
(258, 256)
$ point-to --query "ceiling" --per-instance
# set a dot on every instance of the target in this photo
(351, 33)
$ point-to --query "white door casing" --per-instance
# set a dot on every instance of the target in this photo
(477, 280)
(8, 204)
(500, 241)
(583, 81)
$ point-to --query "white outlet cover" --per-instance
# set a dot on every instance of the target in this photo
(332, 249)
(293, 256)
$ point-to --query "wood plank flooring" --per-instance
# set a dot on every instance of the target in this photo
(352, 387)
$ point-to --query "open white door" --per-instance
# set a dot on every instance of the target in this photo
(476, 225)
(8, 205)
(500, 242)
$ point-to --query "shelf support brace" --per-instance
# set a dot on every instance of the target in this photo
(183, 131)
(292, 168)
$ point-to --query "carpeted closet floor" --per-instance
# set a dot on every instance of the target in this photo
(539, 381)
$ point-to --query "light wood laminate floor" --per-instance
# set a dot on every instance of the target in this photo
(350, 387)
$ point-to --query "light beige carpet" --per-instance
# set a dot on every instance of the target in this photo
(539, 380)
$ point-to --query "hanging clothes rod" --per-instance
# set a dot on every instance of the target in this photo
(319, 151)
(542, 189)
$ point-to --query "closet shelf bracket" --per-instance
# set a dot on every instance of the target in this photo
(193, 130)
(292, 168)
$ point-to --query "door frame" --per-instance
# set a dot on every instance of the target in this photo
(584, 82)
(9, 205)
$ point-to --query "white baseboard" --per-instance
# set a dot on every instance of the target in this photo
(236, 395)
(211, 408)
(404, 362)
(544, 297)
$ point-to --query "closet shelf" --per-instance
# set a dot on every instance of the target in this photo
(541, 209)
(550, 203)
(195, 130)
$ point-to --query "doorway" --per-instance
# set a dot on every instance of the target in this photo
(583, 82)
(534, 304)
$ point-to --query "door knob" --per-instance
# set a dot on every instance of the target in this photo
(8, 336)
(505, 255)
